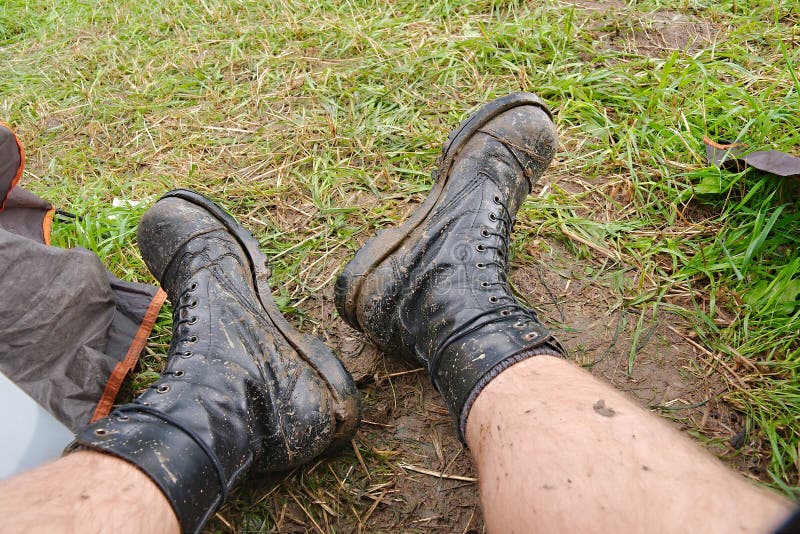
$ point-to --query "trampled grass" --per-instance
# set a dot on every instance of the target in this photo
(318, 122)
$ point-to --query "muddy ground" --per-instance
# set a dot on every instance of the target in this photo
(407, 439)
(407, 472)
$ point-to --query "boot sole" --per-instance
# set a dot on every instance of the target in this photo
(386, 242)
(310, 348)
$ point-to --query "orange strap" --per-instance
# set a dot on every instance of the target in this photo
(124, 367)
(15, 179)
(47, 225)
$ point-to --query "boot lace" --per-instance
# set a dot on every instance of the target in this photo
(180, 321)
(500, 245)
(500, 296)
(181, 336)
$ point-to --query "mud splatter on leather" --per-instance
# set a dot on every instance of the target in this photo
(439, 293)
(241, 391)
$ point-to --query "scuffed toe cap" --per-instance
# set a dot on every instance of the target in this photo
(169, 225)
(528, 132)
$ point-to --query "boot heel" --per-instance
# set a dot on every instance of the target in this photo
(374, 251)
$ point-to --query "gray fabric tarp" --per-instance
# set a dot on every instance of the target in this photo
(69, 330)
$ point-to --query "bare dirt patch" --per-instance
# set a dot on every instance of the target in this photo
(657, 34)
(654, 33)
(650, 357)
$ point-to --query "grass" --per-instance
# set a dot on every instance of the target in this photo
(318, 122)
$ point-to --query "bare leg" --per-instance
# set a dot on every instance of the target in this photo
(85, 492)
(552, 458)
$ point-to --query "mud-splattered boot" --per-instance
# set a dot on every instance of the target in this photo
(435, 289)
(242, 391)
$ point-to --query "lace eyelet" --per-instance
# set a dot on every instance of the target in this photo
(497, 199)
(485, 284)
(492, 217)
(192, 339)
(519, 324)
(192, 305)
(505, 313)
(480, 265)
(122, 418)
(492, 299)
(178, 373)
(101, 431)
(485, 232)
(480, 248)
(192, 320)
(187, 354)
(163, 388)
(529, 336)
(193, 286)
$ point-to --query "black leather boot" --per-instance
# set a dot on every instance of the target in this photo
(435, 289)
(242, 391)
